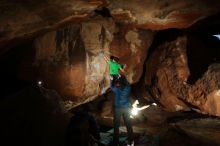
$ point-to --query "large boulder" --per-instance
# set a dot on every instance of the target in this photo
(167, 72)
(167, 77)
(71, 60)
(205, 93)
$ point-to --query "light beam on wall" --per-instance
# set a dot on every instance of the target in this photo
(135, 109)
(218, 36)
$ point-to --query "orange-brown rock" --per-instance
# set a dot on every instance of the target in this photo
(131, 46)
(167, 72)
(71, 60)
(205, 93)
(157, 15)
(25, 19)
(167, 75)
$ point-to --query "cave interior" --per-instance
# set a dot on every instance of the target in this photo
(175, 67)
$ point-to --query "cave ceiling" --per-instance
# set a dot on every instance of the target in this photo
(22, 19)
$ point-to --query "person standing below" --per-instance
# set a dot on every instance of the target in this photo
(122, 106)
(114, 67)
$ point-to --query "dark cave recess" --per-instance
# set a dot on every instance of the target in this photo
(11, 63)
(203, 49)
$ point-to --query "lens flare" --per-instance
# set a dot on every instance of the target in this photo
(218, 36)
(135, 110)
(39, 83)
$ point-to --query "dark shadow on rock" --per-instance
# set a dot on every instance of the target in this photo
(30, 118)
(82, 129)
(104, 12)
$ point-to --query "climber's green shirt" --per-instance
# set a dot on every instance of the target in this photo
(113, 67)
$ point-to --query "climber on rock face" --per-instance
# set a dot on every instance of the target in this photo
(114, 67)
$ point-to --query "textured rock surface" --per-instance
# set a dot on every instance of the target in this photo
(25, 19)
(202, 129)
(167, 71)
(157, 14)
(167, 77)
(131, 46)
(205, 93)
(71, 59)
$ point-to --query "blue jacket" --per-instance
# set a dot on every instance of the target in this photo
(121, 95)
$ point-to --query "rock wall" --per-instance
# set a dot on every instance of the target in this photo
(131, 46)
(167, 75)
(167, 72)
(71, 60)
(205, 93)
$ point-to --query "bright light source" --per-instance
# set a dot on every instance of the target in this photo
(39, 83)
(154, 104)
(134, 111)
(218, 36)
